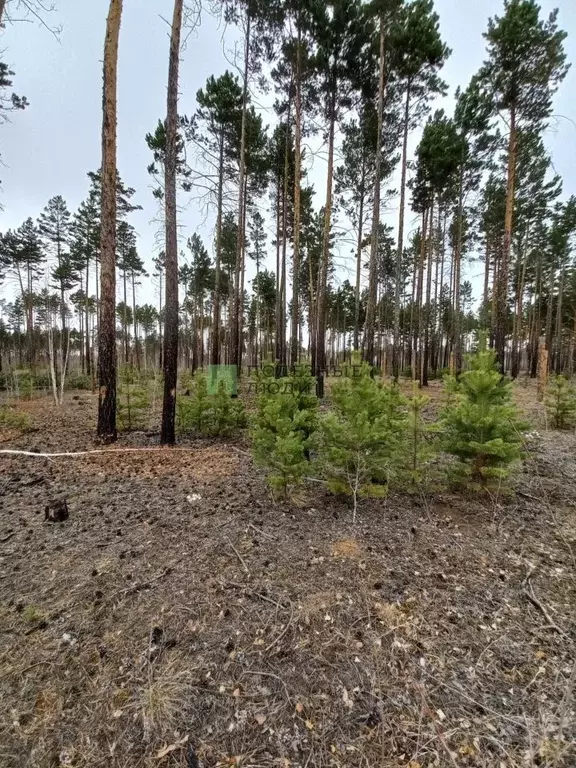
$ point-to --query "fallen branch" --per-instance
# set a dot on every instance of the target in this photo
(537, 604)
(238, 555)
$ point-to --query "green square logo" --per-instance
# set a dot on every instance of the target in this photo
(226, 373)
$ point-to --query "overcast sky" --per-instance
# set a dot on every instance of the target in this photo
(48, 149)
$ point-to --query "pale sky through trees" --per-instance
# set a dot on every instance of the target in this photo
(48, 149)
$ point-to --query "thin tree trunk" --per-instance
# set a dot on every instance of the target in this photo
(457, 345)
(558, 334)
(417, 372)
(359, 256)
(294, 347)
(282, 326)
(160, 337)
(167, 431)
(486, 275)
(237, 300)
(319, 356)
(86, 303)
(550, 308)
(426, 357)
(136, 339)
(278, 303)
(215, 352)
(125, 318)
(517, 331)
(372, 273)
(400, 251)
(107, 325)
(502, 290)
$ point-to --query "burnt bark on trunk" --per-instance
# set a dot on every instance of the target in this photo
(167, 430)
(107, 320)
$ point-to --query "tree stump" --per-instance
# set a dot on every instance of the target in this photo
(56, 511)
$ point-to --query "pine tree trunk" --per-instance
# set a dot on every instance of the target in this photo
(2, 7)
(278, 303)
(426, 357)
(86, 313)
(486, 275)
(435, 314)
(359, 256)
(372, 272)
(502, 291)
(136, 339)
(319, 355)
(457, 343)
(30, 319)
(294, 346)
(107, 323)
(550, 308)
(237, 300)
(494, 303)
(517, 331)
(400, 251)
(282, 326)
(242, 276)
(215, 352)
(312, 323)
(167, 430)
(558, 334)
(202, 331)
(125, 318)
(417, 372)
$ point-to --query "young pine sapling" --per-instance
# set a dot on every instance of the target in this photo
(482, 425)
(360, 440)
(561, 402)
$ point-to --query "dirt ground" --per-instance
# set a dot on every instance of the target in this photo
(181, 618)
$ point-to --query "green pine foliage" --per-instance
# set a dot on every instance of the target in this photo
(79, 381)
(192, 412)
(283, 429)
(359, 441)
(133, 405)
(420, 444)
(561, 402)
(482, 426)
(207, 415)
(11, 418)
(228, 413)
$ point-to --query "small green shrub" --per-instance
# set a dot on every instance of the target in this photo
(42, 380)
(209, 415)
(79, 381)
(282, 429)
(133, 402)
(228, 413)
(360, 441)
(33, 615)
(185, 381)
(420, 446)
(10, 418)
(192, 412)
(482, 426)
(22, 383)
(561, 402)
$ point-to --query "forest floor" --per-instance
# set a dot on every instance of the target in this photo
(179, 617)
